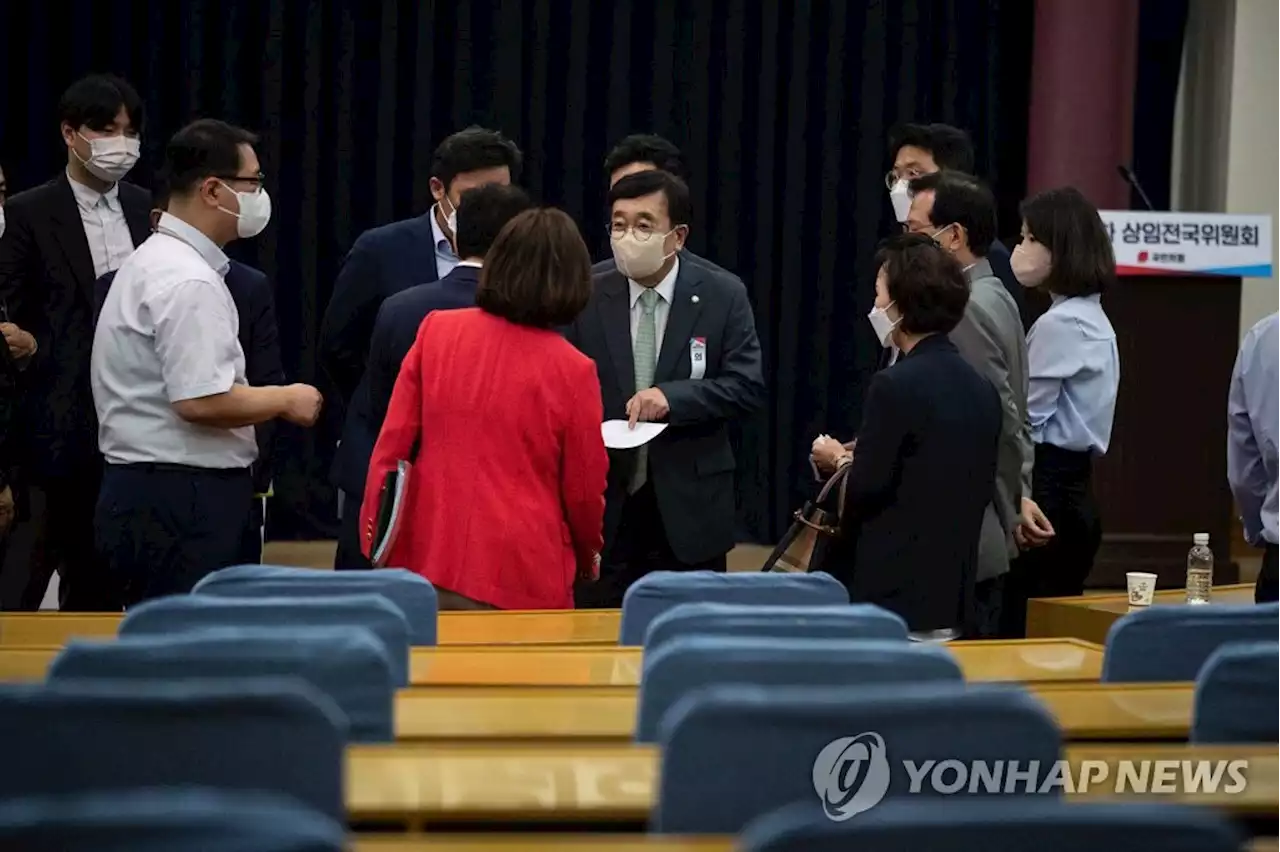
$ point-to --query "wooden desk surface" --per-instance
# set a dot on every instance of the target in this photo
(607, 714)
(1026, 660)
(1022, 660)
(1089, 617)
(602, 783)
(533, 627)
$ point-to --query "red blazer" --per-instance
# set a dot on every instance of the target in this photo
(506, 498)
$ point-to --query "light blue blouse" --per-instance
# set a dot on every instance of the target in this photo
(1074, 368)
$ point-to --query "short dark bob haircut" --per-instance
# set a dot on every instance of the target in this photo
(1068, 225)
(925, 283)
(538, 271)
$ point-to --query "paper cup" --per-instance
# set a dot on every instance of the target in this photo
(1142, 588)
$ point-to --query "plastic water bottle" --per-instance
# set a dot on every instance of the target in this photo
(1200, 571)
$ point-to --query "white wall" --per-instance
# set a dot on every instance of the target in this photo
(1253, 159)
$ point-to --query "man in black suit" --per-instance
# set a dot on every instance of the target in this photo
(924, 467)
(482, 214)
(61, 237)
(673, 342)
(384, 261)
(922, 149)
(251, 291)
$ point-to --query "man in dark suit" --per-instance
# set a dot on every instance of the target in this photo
(61, 237)
(922, 149)
(260, 339)
(482, 214)
(642, 152)
(384, 261)
(673, 342)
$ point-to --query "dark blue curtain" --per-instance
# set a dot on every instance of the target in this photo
(1162, 26)
(781, 107)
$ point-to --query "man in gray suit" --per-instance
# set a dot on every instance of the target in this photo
(960, 214)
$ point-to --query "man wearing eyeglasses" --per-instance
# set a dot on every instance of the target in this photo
(175, 409)
(674, 342)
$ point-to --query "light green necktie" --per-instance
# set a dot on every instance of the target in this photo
(645, 355)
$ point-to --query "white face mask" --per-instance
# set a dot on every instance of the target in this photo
(110, 157)
(900, 198)
(1031, 263)
(451, 218)
(255, 212)
(640, 258)
(1, 221)
(883, 325)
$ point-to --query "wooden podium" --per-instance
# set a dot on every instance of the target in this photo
(1176, 313)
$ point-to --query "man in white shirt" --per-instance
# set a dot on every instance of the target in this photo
(175, 414)
(59, 238)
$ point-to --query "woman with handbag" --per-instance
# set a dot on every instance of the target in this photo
(922, 472)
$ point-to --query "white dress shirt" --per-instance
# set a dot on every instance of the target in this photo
(168, 332)
(667, 293)
(105, 227)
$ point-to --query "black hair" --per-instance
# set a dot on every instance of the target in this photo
(473, 149)
(204, 148)
(96, 100)
(673, 189)
(961, 199)
(482, 214)
(1068, 225)
(646, 148)
(925, 282)
(950, 146)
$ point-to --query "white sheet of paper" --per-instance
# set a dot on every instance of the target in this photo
(618, 435)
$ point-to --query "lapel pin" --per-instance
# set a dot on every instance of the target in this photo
(695, 300)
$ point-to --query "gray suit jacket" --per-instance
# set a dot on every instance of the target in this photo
(990, 338)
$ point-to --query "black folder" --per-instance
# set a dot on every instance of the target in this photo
(391, 512)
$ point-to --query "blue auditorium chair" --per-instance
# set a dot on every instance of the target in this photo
(847, 621)
(184, 613)
(281, 737)
(1236, 695)
(415, 597)
(1171, 643)
(994, 825)
(348, 664)
(733, 753)
(684, 665)
(654, 594)
(165, 821)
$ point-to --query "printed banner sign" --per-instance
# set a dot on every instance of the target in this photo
(1227, 244)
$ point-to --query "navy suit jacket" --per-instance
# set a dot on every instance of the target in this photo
(397, 329)
(383, 262)
(259, 338)
(691, 464)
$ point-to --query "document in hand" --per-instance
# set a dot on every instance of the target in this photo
(618, 434)
(391, 512)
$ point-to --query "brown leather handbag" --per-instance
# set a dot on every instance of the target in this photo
(815, 528)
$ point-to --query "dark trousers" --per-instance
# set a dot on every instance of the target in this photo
(1264, 590)
(639, 547)
(250, 552)
(988, 608)
(1063, 488)
(162, 528)
(54, 532)
(349, 556)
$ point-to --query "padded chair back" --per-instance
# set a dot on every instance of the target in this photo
(348, 664)
(847, 621)
(280, 737)
(780, 745)
(654, 594)
(682, 666)
(995, 825)
(184, 613)
(413, 594)
(1172, 643)
(166, 820)
(1236, 697)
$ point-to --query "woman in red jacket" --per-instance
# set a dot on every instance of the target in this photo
(506, 499)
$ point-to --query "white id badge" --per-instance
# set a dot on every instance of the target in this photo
(697, 357)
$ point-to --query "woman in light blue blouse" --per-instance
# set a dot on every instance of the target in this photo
(1074, 370)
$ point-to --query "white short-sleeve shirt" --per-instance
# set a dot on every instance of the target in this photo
(168, 332)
